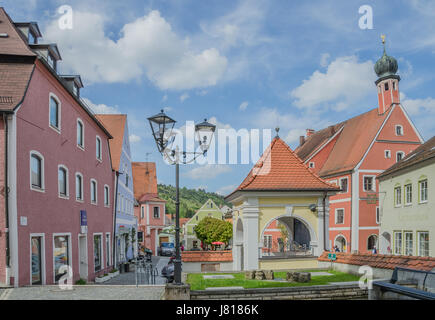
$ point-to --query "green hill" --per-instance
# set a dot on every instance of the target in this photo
(190, 199)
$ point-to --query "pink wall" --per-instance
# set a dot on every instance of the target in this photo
(150, 239)
(46, 212)
(2, 204)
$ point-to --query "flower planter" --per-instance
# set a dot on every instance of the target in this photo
(113, 274)
(102, 279)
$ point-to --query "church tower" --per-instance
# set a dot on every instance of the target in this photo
(388, 81)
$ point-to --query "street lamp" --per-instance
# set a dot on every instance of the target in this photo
(161, 127)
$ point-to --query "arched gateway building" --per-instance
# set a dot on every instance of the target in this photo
(280, 193)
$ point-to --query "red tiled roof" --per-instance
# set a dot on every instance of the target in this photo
(115, 124)
(279, 168)
(351, 145)
(144, 179)
(14, 43)
(207, 256)
(382, 261)
(154, 197)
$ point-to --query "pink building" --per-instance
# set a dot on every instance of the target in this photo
(57, 216)
(150, 209)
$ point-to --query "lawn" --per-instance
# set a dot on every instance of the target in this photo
(197, 282)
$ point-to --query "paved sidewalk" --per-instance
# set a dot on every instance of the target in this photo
(86, 292)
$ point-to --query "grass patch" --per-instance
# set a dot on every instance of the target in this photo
(197, 282)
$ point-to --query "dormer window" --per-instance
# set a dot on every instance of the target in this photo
(51, 61)
(30, 30)
(399, 130)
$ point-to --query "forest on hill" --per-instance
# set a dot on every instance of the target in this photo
(190, 199)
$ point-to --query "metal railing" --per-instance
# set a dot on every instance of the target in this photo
(145, 272)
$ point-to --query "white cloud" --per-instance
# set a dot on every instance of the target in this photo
(345, 81)
(324, 59)
(134, 138)
(147, 46)
(165, 97)
(244, 105)
(184, 96)
(101, 108)
(226, 189)
(209, 171)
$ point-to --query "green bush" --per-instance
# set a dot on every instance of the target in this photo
(81, 282)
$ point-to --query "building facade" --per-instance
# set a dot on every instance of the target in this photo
(57, 221)
(407, 201)
(351, 154)
(149, 209)
(126, 225)
(208, 209)
(281, 188)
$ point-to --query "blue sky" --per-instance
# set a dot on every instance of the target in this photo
(243, 64)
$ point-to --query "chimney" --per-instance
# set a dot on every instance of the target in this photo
(310, 132)
(301, 140)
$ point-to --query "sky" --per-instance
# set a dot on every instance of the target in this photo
(241, 64)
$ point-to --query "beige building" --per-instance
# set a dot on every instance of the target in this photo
(407, 204)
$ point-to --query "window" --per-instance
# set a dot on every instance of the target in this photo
(387, 154)
(312, 164)
(394, 86)
(79, 187)
(75, 90)
(339, 216)
(397, 242)
(142, 212)
(369, 184)
(54, 113)
(386, 86)
(378, 215)
(97, 253)
(408, 194)
(423, 244)
(399, 130)
(107, 249)
(106, 196)
(156, 212)
(61, 256)
(36, 169)
(98, 148)
(422, 185)
(126, 179)
(80, 134)
(399, 156)
(63, 181)
(343, 185)
(51, 61)
(398, 196)
(267, 241)
(93, 191)
(408, 243)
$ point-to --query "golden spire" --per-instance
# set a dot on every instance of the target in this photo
(383, 38)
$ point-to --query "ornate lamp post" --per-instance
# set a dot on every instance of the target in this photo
(161, 127)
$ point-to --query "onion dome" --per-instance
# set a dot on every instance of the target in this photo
(386, 65)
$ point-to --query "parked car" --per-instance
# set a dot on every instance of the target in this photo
(168, 271)
(166, 249)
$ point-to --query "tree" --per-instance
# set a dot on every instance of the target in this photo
(210, 230)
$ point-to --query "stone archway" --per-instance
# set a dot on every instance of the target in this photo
(372, 242)
(341, 243)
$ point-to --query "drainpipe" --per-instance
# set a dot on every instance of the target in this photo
(324, 221)
(6, 193)
(115, 207)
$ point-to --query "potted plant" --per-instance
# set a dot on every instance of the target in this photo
(102, 278)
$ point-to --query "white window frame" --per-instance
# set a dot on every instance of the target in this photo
(107, 204)
(406, 243)
(70, 258)
(59, 112)
(312, 165)
(108, 250)
(334, 182)
(97, 138)
(36, 153)
(347, 185)
(142, 211)
(401, 129)
(397, 154)
(61, 166)
(418, 243)
(100, 234)
(96, 191)
(373, 182)
(396, 204)
(81, 187)
(406, 194)
(395, 242)
(43, 262)
(389, 154)
(420, 190)
(267, 243)
(336, 215)
(82, 147)
(154, 216)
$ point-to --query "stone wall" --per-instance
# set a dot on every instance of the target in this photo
(326, 292)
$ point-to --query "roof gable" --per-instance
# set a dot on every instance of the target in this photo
(144, 179)
(280, 169)
(116, 125)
